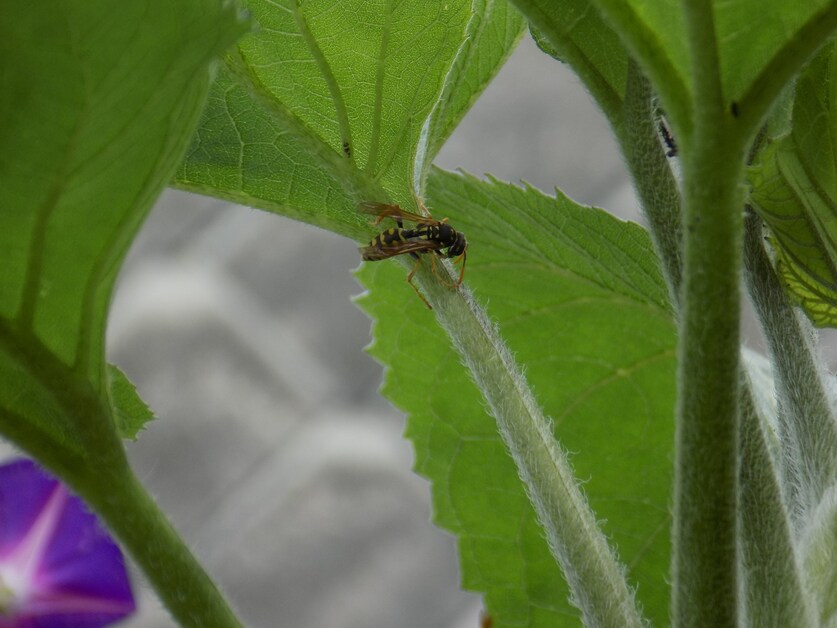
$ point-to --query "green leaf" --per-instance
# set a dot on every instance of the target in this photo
(795, 192)
(380, 67)
(579, 298)
(251, 150)
(98, 100)
(493, 32)
(758, 50)
(749, 37)
(572, 31)
(94, 119)
(330, 104)
(129, 411)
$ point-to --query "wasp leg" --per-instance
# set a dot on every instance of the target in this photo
(423, 208)
(414, 286)
(461, 270)
(448, 284)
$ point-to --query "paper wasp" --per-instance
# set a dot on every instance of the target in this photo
(428, 236)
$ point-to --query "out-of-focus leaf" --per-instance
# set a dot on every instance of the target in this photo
(749, 36)
(795, 192)
(579, 297)
(97, 103)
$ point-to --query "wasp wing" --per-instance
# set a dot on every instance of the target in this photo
(382, 210)
(374, 253)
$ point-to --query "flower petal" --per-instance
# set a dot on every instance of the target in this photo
(79, 579)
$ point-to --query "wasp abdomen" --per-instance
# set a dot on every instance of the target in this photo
(380, 246)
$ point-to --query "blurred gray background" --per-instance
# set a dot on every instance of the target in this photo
(273, 453)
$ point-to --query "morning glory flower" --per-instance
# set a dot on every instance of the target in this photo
(58, 566)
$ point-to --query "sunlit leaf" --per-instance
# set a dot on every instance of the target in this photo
(795, 192)
(332, 103)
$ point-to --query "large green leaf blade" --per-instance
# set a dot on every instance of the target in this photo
(253, 153)
(321, 109)
(380, 67)
(98, 100)
(749, 36)
(795, 192)
(86, 150)
(579, 299)
(356, 78)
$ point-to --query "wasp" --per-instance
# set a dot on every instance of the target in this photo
(428, 236)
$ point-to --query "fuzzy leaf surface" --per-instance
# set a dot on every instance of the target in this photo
(578, 296)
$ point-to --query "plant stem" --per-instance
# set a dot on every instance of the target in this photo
(704, 566)
(806, 419)
(707, 414)
(651, 175)
(94, 465)
(596, 579)
(177, 577)
(772, 580)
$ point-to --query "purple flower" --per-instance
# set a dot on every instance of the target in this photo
(58, 567)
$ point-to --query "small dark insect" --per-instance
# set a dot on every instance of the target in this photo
(668, 138)
(347, 149)
(428, 236)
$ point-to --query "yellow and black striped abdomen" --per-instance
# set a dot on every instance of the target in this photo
(384, 245)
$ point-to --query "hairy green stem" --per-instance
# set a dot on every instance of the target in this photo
(806, 417)
(704, 565)
(644, 46)
(704, 562)
(772, 582)
(177, 577)
(91, 460)
(595, 577)
(651, 174)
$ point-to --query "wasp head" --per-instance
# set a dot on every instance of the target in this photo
(459, 245)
